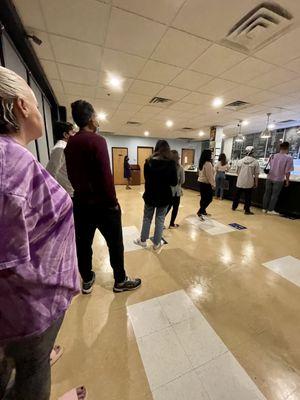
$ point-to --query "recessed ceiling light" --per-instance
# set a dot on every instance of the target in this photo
(201, 133)
(217, 102)
(245, 123)
(114, 81)
(271, 126)
(169, 123)
(146, 133)
(223, 135)
(102, 116)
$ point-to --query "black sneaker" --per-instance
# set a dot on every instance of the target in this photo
(127, 285)
(87, 287)
(249, 213)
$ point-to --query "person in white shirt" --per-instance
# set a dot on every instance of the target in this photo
(221, 168)
(248, 171)
(57, 163)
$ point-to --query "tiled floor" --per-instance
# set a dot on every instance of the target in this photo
(288, 267)
(253, 311)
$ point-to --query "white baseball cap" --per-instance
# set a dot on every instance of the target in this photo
(249, 149)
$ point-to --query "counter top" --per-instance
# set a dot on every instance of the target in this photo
(293, 178)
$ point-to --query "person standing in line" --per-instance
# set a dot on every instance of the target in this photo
(176, 190)
(248, 171)
(281, 166)
(38, 266)
(207, 182)
(160, 174)
(127, 172)
(95, 202)
(57, 163)
(221, 168)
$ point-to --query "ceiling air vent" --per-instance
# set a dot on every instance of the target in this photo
(187, 128)
(156, 100)
(237, 105)
(287, 121)
(133, 123)
(259, 26)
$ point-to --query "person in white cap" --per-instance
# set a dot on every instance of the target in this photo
(248, 171)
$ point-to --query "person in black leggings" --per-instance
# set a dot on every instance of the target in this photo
(207, 182)
(176, 190)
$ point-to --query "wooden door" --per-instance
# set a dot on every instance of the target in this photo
(118, 155)
(142, 154)
(187, 156)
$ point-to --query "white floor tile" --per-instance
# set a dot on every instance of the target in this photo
(130, 233)
(147, 317)
(288, 267)
(199, 340)
(178, 306)
(210, 226)
(163, 357)
(187, 387)
(224, 379)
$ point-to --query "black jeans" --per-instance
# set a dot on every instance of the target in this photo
(31, 358)
(237, 196)
(206, 192)
(88, 218)
(175, 204)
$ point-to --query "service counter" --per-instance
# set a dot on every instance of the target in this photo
(289, 199)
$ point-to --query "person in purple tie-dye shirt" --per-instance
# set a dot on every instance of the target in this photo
(38, 266)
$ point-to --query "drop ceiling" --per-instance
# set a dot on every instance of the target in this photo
(175, 49)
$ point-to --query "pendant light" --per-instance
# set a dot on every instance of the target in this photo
(240, 137)
(266, 133)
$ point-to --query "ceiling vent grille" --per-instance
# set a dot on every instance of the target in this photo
(287, 121)
(160, 100)
(259, 26)
(187, 128)
(133, 123)
(237, 105)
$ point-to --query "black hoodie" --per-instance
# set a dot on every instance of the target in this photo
(160, 174)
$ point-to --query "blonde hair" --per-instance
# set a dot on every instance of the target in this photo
(12, 87)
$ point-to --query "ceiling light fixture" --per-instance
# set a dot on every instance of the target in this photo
(245, 122)
(169, 123)
(240, 137)
(102, 116)
(146, 133)
(201, 133)
(271, 126)
(114, 82)
(217, 102)
(266, 133)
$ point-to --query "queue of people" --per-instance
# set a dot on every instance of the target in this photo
(49, 218)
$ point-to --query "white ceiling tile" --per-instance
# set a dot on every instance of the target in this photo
(293, 65)
(44, 51)
(283, 49)
(79, 90)
(30, 14)
(145, 88)
(247, 70)
(190, 80)
(50, 69)
(173, 93)
(84, 20)
(104, 82)
(181, 106)
(179, 48)
(211, 19)
(104, 93)
(160, 10)
(56, 86)
(136, 98)
(217, 87)
(103, 104)
(151, 110)
(69, 73)
(261, 97)
(288, 87)
(198, 98)
(132, 33)
(74, 52)
(241, 92)
(129, 107)
(272, 78)
(157, 72)
(217, 59)
(121, 63)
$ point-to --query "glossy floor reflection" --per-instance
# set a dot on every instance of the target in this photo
(254, 310)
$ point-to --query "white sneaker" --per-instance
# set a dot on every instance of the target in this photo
(273, 213)
(264, 211)
(138, 242)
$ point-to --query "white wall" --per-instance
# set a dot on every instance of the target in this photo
(227, 147)
(132, 143)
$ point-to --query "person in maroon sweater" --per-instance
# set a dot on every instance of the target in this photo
(95, 202)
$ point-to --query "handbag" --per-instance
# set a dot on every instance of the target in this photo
(267, 167)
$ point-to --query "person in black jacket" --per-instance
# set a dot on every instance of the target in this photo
(160, 174)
